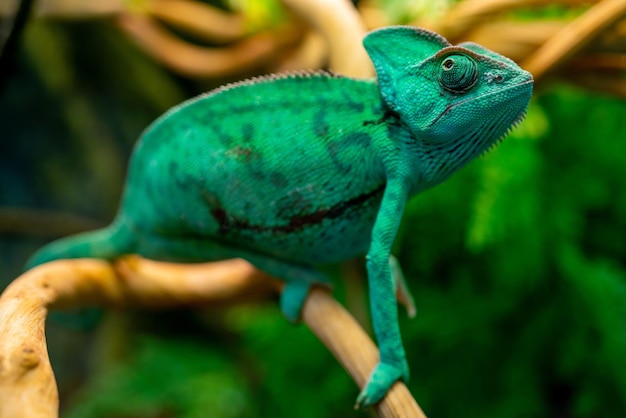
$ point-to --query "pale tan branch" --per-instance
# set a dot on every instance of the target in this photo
(513, 39)
(574, 37)
(343, 336)
(196, 61)
(73, 9)
(469, 14)
(27, 385)
(312, 54)
(340, 24)
(199, 19)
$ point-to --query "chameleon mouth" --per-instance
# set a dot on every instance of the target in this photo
(506, 122)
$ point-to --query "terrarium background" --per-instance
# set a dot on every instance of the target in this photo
(517, 263)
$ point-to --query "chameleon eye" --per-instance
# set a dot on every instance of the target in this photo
(458, 73)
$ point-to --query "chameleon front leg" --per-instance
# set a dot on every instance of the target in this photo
(393, 364)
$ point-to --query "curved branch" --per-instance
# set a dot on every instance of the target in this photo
(341, 25)
(27, 385)
(466, 15)
(516, 40)
(200, 19)
(574, 37)
(196, 61)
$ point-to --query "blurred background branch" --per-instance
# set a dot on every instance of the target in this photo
(234, 42)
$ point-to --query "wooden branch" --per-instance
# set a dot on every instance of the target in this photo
(339, 22)
(199, 19)
(513, 39)
(72, 9)
(27, 384)
(355, 351)
(196, 61)
(467, 15)
(310, 54)
(574, 37)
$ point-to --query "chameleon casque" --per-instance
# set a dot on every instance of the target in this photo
(292, 171)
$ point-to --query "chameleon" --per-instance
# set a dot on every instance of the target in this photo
(297, 170)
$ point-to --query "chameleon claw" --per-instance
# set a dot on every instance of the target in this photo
(379, 382)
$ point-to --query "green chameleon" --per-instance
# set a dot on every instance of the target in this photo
(298, 170)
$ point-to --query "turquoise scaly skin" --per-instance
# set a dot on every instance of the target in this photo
(292, 171)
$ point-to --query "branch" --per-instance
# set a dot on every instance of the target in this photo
(343, 29)
(467, 15)
(575, 36)
(197, 61)
(27, 385)
(200, 19)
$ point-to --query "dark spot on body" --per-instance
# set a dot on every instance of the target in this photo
(320, 126)
(294, 201)
(247, 132)
(279, 180)
(258, 174)
(182, 181)
(241, 153)
(221, 217)
(335, 152)
(343, 152)
(329, 186)
(210, 199)
(226, 140)
(354, 105)
(387, 115)
(216, 210)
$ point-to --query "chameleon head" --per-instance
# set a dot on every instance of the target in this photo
(457, 101)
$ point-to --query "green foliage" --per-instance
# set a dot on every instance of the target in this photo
(167, 378)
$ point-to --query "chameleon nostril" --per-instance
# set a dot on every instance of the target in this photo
(491, 77)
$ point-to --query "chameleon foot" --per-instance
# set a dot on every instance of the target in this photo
(379, 383)
(292, 299)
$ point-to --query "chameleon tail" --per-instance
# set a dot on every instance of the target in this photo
(106, 243)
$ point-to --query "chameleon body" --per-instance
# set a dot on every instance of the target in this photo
(292, 171)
